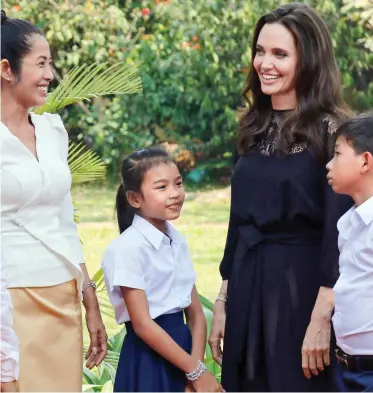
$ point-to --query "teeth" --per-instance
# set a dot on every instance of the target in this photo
(270, 77)
(43, 89)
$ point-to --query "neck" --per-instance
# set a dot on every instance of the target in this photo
(13, 114)
(283, 102)
(159, 224)
(364, 192)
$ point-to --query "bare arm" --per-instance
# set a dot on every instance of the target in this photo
(197, 324)
(98, 346)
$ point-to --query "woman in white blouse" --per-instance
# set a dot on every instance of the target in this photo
(45, 262)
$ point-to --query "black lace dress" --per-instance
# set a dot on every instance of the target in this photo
(281, 247)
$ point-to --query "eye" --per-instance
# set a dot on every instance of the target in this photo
(41, 63)
(280, 54)
(259, 51)
(336, 153)
(163, 187)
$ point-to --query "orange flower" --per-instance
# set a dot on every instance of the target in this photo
(111, 52)
(16, 8)
(197, 46)
(195, 38)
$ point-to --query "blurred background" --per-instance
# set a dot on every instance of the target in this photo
(193, 57)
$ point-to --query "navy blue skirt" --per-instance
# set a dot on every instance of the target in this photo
(141, 369)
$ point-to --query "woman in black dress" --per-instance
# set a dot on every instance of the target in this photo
(281, 257)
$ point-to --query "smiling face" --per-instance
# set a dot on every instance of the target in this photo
(275, 62)
(30, 87)
(162, 195)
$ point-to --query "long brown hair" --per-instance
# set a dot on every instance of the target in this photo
(317, 84)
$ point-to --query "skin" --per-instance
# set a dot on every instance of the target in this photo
(351, 173)
(277, 57)
(19, 93)
(161, 199)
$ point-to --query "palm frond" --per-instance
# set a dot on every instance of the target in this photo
(85, 166)
(86, 82)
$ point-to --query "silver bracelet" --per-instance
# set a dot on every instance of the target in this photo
(222, 296)
(194, 375)
(89, 285)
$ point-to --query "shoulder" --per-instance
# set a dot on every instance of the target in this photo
(129, 243)
(52, 122)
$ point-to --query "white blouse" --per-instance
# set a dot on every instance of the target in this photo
(9, 342)
(143, 257)
(39, 237)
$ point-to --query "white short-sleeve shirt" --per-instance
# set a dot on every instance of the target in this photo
(143, 257)
(353, 292)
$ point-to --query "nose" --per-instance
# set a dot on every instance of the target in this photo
(267, 63)
(49, 73)
(175, 193)
(329, 165)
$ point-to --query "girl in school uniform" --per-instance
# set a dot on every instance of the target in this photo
(150, 282)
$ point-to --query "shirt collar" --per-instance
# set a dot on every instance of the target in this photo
(365, 211)
(154, 235)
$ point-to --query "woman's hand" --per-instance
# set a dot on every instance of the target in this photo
(316, 347)
(98, 347)
(206, 383)
(9, 386)
(217, 331)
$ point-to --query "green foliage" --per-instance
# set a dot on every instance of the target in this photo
(193, 57)
(88, 82)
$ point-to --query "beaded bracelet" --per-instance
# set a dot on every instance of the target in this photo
(222, 296)
(194, 375)
(91, 284)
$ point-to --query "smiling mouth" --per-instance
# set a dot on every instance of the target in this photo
(174, 206)
(43, 89)
(269, 77)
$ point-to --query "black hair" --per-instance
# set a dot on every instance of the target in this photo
(15, 40)
(358, 131)
(317, 84)
(133, 170)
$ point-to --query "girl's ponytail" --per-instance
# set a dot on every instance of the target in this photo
(125, 212)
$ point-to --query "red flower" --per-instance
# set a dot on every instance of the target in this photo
(145, 11)
(195, 38)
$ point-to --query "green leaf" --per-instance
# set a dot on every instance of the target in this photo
(85, 166)
(86, 82)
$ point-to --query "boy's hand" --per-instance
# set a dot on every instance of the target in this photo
(9, 386)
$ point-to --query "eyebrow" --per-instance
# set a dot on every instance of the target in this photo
(274, 49)
(44, 58)
(165, 180)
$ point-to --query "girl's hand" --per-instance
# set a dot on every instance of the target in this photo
(9, 386)
(217, 331)
(98, 347)
(206, 383)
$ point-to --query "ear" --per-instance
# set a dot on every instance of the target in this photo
(133, 199)
(367, 162)
(6, 71)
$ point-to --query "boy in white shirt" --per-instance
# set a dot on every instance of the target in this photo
(351, 172)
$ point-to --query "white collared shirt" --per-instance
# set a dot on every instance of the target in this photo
(38, 234)
(143, 257)
(353, 292)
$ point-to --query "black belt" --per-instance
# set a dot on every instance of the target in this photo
(354, 362)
